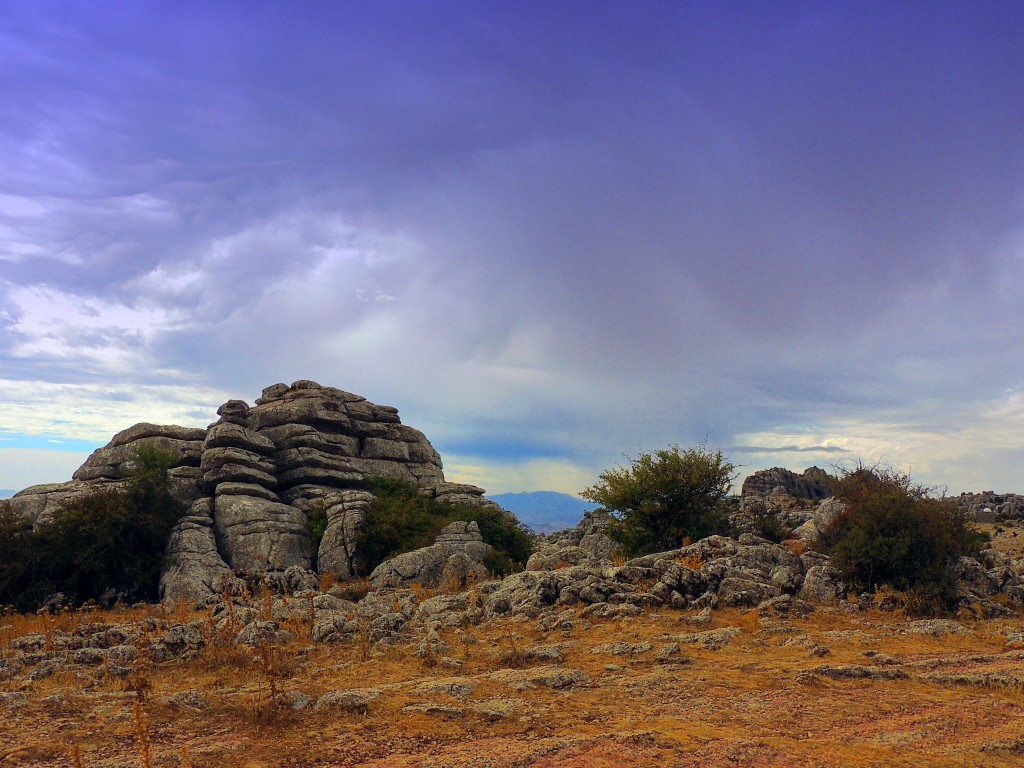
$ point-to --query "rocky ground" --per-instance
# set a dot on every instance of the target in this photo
(417, 677)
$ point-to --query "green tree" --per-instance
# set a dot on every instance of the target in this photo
(110, 539)
(665, 497)
(893, 532)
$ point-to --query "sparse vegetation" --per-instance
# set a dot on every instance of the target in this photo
(665, 497)
(110, 542)
(894, 533)
(401, 519)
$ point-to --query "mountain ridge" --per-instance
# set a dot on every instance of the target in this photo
(544, 511)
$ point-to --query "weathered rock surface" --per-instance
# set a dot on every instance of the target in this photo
(195, 568)
(457, 552)
(991, 507)
(813, 484)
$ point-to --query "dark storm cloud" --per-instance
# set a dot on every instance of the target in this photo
(572, 233)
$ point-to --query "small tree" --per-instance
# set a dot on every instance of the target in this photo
(665, 497)
(893, 532)
(110, 539)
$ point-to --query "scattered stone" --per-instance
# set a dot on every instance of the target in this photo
(858, 672)
(937, 627)
(712, 639)
(496, 709)
(188, 700)
(356, 701)
(621, 649)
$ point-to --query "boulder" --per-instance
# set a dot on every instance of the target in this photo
(257, 535)
(822, 584)
(457, 552)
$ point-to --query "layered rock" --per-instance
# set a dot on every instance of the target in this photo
(814, 484)
(194, 568)
(254, 477)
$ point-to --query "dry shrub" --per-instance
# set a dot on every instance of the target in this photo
(328, 580)
(693, 562)
(420, 592)
(354, 590)
(141, 736)
(511, 654)
(796, 546)
(750, 621)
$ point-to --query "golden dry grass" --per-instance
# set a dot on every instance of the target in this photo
(745, 704)
(767, 698)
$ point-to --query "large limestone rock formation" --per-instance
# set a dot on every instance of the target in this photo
(251, 480)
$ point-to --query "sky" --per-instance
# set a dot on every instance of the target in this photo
(552, 234)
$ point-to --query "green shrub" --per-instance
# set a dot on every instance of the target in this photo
(766, 521)
(400, 519)
(893, 533)
(111, 539)
(665, 497)
(19, 566)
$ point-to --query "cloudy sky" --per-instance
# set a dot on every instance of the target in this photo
(550, 233)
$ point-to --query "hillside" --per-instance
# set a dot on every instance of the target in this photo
(544, 511)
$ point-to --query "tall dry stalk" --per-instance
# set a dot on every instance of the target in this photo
(139, 721)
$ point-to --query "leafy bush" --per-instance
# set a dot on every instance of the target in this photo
(110, 540)
(665, 497)
(892, 533)
(400, 519)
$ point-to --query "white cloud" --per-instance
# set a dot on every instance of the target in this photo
(94, 412)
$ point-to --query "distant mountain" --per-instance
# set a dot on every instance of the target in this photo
(6, 493)
(544, 511)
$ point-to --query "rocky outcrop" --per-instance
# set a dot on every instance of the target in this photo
(813, 484)
(252, 480)
(194, 568)
(585, 544)
(991, 507)
(455, 558)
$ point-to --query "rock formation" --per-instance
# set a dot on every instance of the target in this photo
(251, 480)
(814, 484)
(991, 507)
(455, 558)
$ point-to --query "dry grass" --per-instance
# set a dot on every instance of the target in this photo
(757, 701)
(783, 692)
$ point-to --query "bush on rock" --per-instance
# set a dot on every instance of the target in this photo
(108, 542)
(665, 497)
(402, 519)
(893, 533)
